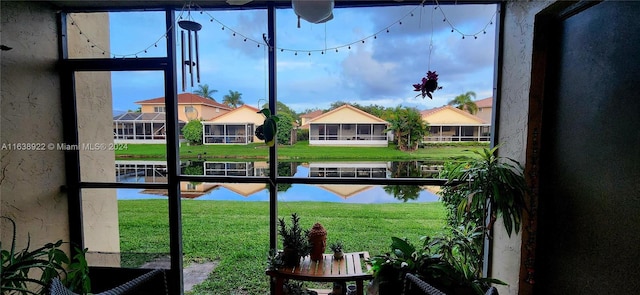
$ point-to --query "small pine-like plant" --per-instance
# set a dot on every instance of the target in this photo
(294, 237)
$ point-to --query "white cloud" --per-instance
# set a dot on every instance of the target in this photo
(381, 71)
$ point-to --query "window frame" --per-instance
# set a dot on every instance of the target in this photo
(167, 65)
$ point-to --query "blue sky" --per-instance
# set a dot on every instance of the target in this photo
(379, 71)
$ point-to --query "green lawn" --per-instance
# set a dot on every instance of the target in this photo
(236, 233)
(302, 150)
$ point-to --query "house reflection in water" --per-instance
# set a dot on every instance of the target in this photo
(141, 171)
(348, 170)
(156, 171)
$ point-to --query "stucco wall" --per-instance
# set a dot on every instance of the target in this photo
(514, 103)
(30, 181)
(94, 104)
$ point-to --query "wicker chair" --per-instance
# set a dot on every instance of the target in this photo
(415, 286)
(134, 286)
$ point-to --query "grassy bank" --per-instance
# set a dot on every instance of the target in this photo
(237, 233)
(302, 150)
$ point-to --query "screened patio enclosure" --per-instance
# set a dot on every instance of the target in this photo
(222, 133)
(348, 134)
(132, 127)
(450, 133)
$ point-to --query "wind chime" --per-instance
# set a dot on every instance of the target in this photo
(191, 27)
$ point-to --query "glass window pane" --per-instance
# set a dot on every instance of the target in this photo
(117, 120)
(121, 229)
(116, 34)
(231, 90)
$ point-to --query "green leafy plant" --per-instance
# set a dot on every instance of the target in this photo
(490, 187)
(49, 259)
(441, 262)
(274, 260)
(269, 128)
(390, 268)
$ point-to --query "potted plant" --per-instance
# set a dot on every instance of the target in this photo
(49, 260)
(337, 248)
(436, 263)
(295, 241)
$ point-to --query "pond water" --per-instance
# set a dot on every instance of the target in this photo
(155, 172)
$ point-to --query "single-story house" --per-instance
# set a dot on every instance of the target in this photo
(348, 126)
(448, 124)
(235, 127)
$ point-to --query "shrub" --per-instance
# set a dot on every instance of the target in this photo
(303, 135)
(193, 132)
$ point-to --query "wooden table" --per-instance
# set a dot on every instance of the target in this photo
(351, 268)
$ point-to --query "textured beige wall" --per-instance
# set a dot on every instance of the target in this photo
(348, 115)
(30, 181)
(450, 116)
(94, 103)
(514, 95)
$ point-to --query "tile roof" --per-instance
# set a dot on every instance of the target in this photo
(187, 98)
(484, 103)
(312, 115)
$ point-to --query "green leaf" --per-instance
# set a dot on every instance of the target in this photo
(266, 112)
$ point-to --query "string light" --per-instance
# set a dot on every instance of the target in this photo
(454, 29)
(258, 44)
(106, 51)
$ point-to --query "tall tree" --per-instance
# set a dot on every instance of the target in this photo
(233, 99)
(205, 91)
(464, 102)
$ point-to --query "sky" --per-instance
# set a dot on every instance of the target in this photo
(378, 71)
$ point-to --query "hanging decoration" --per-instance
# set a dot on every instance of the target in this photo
(315, 12)
(191, 27)
(429, 83)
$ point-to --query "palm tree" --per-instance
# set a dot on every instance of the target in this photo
(204, 91)
(408, 128)
(234, 98)
(464, 102)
